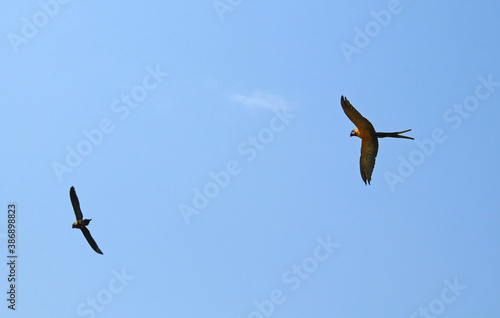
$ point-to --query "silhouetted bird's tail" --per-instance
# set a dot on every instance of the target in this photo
(393, 134)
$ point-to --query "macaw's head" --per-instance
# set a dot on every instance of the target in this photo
(354, 132)
(78, 224)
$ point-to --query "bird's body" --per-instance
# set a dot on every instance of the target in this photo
(80, 222)
(363, 133)
(369, 137)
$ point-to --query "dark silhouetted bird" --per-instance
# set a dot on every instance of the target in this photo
(80, 222)
(369, 137)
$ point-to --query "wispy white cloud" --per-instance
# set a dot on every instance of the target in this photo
(260, 99)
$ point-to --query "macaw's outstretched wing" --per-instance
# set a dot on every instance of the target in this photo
(369, 150)
(361, 122)
(89, 238)
(75, 203)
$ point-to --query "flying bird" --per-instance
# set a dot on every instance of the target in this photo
(369, 137)
(80, 222)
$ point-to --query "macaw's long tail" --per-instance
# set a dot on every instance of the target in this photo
(393, 134)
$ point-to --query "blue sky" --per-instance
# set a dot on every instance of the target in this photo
(206, 141)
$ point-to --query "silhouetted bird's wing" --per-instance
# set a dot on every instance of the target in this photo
(75, 203)
(89, 238)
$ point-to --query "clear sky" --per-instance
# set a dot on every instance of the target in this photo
(206, 141)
